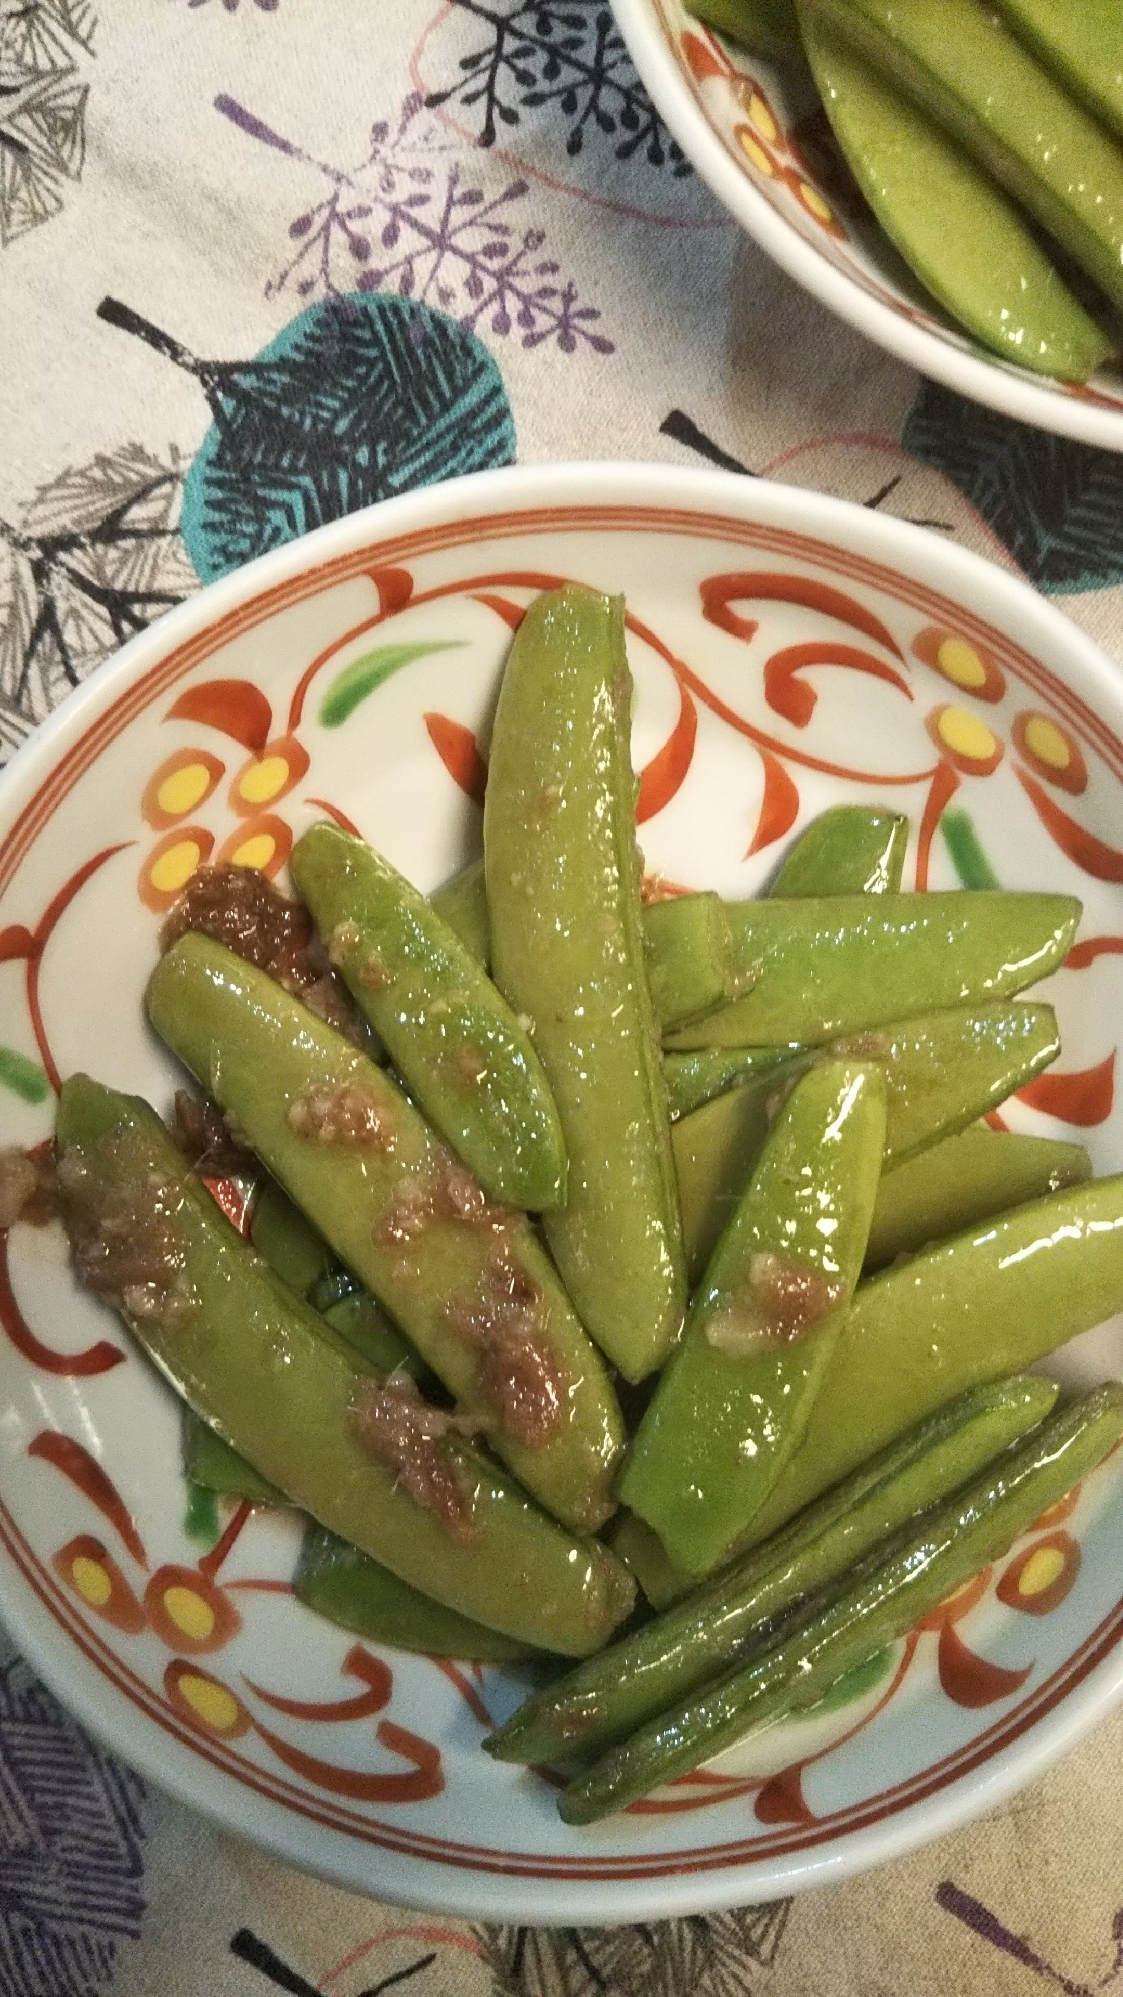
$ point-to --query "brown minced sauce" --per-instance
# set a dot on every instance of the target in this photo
(411, 1437)
(126, 1245)
(777, 1303)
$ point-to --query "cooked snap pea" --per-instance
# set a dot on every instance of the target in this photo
(833, 964)
(643, 1553)
(891, 1591)
(964, 1180)
(210, 1462)
(567, 944)
(941, 1073)
(735, 1397)
(457, 1045)
(359, 1594)
(292, 1248)
(988, 1302)
(690, 957)
(462, 903)
(640, 1675)
(264, 1371)
(694, 1079)
(468, 1283)
(850, 849)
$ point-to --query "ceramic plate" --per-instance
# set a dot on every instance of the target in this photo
(789, 651)
(761, 141)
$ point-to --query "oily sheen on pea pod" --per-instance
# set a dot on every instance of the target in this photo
(563, 878)
(265, 1371)
(468, 1283)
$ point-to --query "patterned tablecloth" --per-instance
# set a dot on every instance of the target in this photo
(185, 186)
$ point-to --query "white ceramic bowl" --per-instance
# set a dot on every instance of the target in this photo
(756, 138)
(207, 736)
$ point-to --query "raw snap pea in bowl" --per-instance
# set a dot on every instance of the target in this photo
(520, 1086)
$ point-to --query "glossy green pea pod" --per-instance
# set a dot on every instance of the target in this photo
(210, 1462)
(262, 1369)
(735, 1397)
(468, 1283)
(457, 1045)
(292, 1248)
(840, 964)
(359, 1594)
(941, 1073)
(690, 957)
(964, 1180)
(850, 849)
(567, 944)
(892, 1590)
(638, 1676)
(764, 27)
(694, 1079)
(991, 1301)
(462, 903)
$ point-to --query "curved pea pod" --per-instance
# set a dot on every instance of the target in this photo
(833, 964)
(454, 1040)
(735, 1398)
(468, 1283)
(889, 1593)
(211, 1463)
(639, 1675)
(963, 1180)
(567, 944)
(349, 1588)
(988, 1302)
(715, 1149)
(293, 1249)
(694, 1079)
(850, 849)
(462, 903)
(260, 1367)
(643, 1554)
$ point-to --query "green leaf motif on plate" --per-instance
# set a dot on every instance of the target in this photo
(364, 676)
(855, 1683)
(23, 1077)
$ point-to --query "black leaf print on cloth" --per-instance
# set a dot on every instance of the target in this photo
(566, 59)
(354, 400)
(44, 46)
(72, 1837)
(1057, 505)
(404, 219)
(94, 558)
(703, 1956)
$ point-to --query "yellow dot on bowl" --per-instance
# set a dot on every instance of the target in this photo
(755, 153)
(762, 118)
(1041, 1570)
(961, 663)
(263, 780)
(91, 1581)
(1044, 740)
(190, 1613)
(255, 852)
(215, 1706)
(175, 866)
(184, 789)
(966, 735)
(813, 200)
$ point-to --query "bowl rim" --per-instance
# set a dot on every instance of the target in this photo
(171, 1766)
(1040, 402)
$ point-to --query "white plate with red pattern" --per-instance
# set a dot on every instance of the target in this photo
(760, 139)
(789, 651)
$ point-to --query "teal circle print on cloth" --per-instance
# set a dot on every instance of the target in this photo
(359, 398)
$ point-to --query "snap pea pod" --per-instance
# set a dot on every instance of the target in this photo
(988, 1302)
(941, 1072)
(454, 1040)
(643, 1553)
(462, 903)
(290, 1245)
(736, 1395)
(640, 1675)
(694, 1079)
(211, 1462)
(263, 1370)
(690, 957)
(468, 1283)
(764, 27)
(302, 1259)
(850, 849)
(567, 943)
(891, 1591)
(359, 1594)
(835, 964)
(964, 1180)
